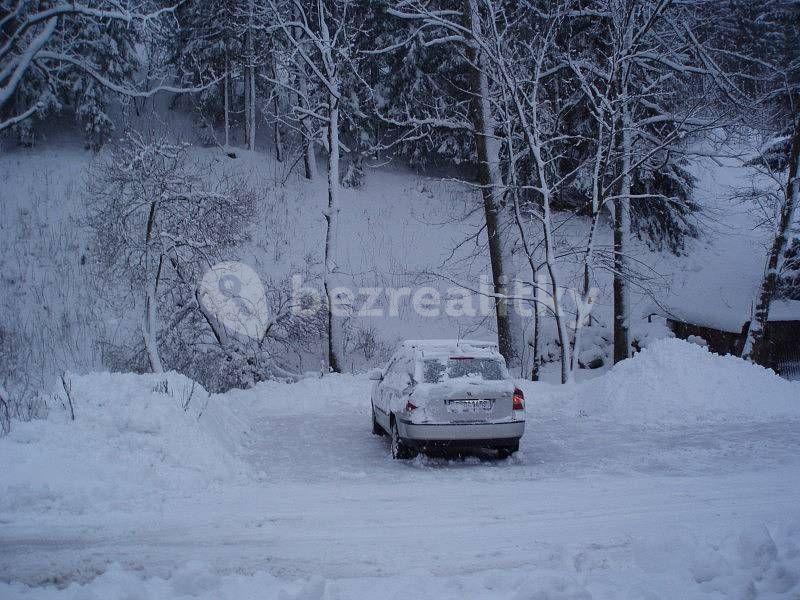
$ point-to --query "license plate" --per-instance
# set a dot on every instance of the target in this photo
(469, 406)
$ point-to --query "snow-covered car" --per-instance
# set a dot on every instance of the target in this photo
(437, 394)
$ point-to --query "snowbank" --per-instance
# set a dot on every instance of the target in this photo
(672, 382)
(132, 434)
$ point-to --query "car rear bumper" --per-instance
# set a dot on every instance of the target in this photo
(460, 434)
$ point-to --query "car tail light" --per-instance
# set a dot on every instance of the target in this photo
(410, 407)
(518, 399)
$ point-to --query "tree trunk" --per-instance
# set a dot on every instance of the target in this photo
(251, 117)
(150, 327)
(523, 236)
(278, 68)
(537, 320)
(309, 153)
(755, 346)
(334, 364)
(579, 315)
(309, 160)
(246, 122)
(558, 315)
(278, 135)
(512, 178)
(250, 84)
(622, 227)
(227, 97)
(588, 254)
(488, 150)
(150, 316)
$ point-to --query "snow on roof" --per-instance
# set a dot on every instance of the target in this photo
(784, 310)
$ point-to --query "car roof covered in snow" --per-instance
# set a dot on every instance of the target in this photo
(440, 348)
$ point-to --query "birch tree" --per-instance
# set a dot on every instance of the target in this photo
(755, 345)
(773, 58)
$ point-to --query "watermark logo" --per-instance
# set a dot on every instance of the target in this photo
(234, 295)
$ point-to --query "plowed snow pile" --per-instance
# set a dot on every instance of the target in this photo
(675, 382)
(132, 435)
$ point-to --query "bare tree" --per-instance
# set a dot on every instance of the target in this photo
(771, 58)
(319, 37)
(640, 86)
(755, 347)
(155, 220)
(539, 136)
(464, 29)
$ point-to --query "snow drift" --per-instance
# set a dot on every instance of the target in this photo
(672, 382)
(132, 434)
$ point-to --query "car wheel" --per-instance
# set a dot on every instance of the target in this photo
(376, 428)
(507, 451)
(399, 450)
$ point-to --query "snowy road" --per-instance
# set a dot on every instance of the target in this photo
(358, 531)
(592, 507)
(443, 527)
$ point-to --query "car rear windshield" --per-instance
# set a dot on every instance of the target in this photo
(437, 370)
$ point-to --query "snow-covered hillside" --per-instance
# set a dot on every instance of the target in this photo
(399, 229)
(396, 230)
(673, 475)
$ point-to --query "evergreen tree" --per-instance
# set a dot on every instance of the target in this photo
(207, 41)
(110, 46)
(67, 62)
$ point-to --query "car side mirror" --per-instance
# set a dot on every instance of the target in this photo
(375, 374)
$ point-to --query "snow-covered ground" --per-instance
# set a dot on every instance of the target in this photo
(399, 229)
(675, 475)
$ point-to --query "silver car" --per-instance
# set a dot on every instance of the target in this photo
(436, 394)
